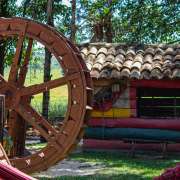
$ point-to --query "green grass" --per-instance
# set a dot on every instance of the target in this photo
(37, 146)
(58, 96)
(119, 166)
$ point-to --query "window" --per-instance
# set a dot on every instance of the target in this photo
(158, 103)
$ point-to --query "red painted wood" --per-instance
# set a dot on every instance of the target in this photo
(156, 83)
(132, 92)
(133, 104)
(132, 97)
(169, 124)
(114, 144)
(133, 113)
(8, 172)
(170, 173)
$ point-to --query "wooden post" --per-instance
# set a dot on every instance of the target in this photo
(17, 131)
(2, 116)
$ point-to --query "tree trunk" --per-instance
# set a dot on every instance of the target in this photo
(98, 32)
(47, 77)
(3, 13)
(47, 64)
(108, 29)
(2, 55)
(73, 22)
(108, 24)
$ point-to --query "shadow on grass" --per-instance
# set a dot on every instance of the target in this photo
(111, 159)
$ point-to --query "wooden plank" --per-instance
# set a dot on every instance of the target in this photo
(133, 93)
(133, 104)
(157, 112)
(169, 124)
(156, 83)
(2, 116)
(133, 113)
(103, 82)
(132, 133)
(120, 145)
(113, 112)
(158, 92)
(133, 101)
(9, 172)
(159, 102)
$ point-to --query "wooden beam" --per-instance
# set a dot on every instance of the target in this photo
(102, 82)
(138, 134)
(156, 83)
(2, 116)
(133, 101)
(120, 145)
(113, 113)
(169, 124)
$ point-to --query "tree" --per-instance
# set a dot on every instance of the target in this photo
(47, 64)
(5, 11)
(73, 21)
(99, 15)
(148, 21)
(130, 21)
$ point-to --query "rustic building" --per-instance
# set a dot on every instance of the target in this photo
(136, 96)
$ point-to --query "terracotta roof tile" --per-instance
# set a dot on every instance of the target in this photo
(106, 60)
(135, 74)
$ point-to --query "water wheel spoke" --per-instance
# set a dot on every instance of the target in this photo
(37, 121)
(14, 67)
(39, 88)
(24, 68)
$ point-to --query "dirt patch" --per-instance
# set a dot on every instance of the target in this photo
(71, 168)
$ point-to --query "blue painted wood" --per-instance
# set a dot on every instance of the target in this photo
(132, 133)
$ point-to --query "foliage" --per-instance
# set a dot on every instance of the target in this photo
(8, 8)
(135, 21)
(36, 10)
(148, 21)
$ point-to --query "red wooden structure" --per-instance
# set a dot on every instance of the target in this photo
(146, 79)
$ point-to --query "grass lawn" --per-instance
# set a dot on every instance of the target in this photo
(119, 166)
(58, 96)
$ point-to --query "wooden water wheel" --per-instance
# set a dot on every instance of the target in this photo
(77, 78)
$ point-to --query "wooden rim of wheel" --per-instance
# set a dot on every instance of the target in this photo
(77, 79)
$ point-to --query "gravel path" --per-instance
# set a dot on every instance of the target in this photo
(71, 168)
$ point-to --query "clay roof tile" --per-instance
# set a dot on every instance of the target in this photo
(134, 62)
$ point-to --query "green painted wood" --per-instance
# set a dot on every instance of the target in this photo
(132, 133)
